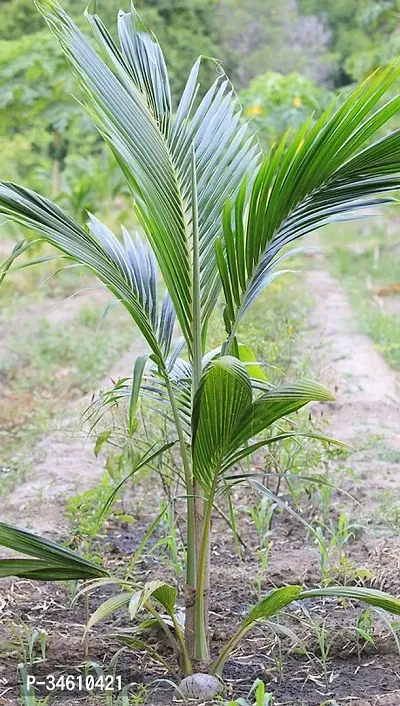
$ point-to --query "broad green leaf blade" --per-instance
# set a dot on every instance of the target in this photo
(48, 552)
(42, 570)
(223, 396)
(273, 603)
(273, 405)
(378, 599)
(166, 595)
(109, 607)
(254, 368)
(162, 592)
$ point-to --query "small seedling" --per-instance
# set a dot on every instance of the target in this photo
(28, 644)
(27, 695)
(262, 515)
(257, 692)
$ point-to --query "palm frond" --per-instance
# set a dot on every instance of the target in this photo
(129, 273)
(129, 100)
(325, 175)
(51, 561)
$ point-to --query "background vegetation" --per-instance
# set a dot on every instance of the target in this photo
(287, 57)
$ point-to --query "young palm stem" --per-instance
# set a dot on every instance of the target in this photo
(202, 649)
(201, 626)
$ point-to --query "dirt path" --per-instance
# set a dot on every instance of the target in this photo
(367, 390)
(63, 463)
(366, 414)
(65, 466)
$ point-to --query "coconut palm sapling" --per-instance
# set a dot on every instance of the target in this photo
(217, 217)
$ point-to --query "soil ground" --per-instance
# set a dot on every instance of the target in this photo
(366, 414)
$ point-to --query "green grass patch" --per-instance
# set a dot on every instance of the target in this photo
(365, 260)
(43, 366)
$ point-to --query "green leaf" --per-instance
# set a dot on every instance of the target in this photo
(100, 441)
(138, 371)
(272, 406)
(41, 570)
(166, 595)
(99, 250)
(378, 599)
(224, 394)
(55, 563)
(129, 100)
(323, 175)
(272, 603)
(160, 591)
(109, 607)
(254, 369)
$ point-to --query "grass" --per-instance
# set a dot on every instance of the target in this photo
(45, 364)
(364, 259)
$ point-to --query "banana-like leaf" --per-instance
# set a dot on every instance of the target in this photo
(324, 175)
(223, 396)
(129, 100)
(52, 562)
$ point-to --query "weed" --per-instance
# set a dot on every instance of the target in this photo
(257, 696)
(325, 637)
(364, 630)
(388, 511)
(332, 541)
(27, 694)
(86, 517)
(29, 645)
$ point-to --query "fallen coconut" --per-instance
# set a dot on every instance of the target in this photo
(200, 686)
